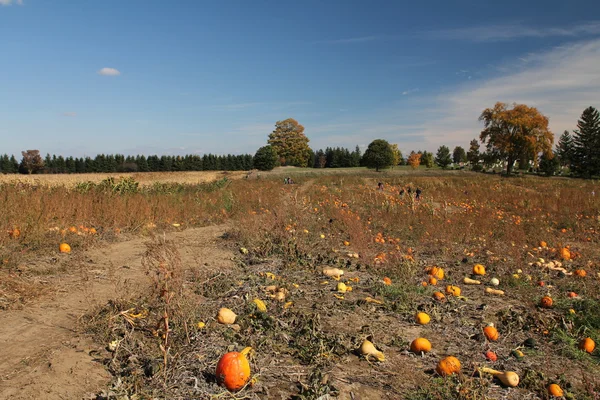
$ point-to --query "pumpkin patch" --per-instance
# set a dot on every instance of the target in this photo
(341, 287)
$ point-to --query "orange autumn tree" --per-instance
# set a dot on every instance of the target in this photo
(512, 132)
(414, 160)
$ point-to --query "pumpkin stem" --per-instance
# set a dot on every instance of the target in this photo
(246, 351)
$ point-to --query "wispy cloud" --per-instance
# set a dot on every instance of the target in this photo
(236, 106)
(109, 72)
(10, 2)
(274, 106)
(506, 32)
(361, 133)
(69, 114)
(561, 83)
(359, 39)
(169, 151)
(410, 91)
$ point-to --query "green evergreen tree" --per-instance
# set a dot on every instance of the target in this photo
(70, 166)
(80, 165)
(565, 149)
(549, 164)
(442, 157)
(586, 142)
(142, 163)
(459, 155)
(473, 155)
(5, 166)
(356, 156)
(48, 164)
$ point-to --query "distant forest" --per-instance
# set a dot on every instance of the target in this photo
(52, 164)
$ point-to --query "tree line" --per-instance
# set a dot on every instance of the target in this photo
(517, 134)
(512, 135)
(32, 162)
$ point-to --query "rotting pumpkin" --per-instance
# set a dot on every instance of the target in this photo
(439, 296)
(478, 269)
(437, 272)
(546, 302)
(453, 290)
(580, 272)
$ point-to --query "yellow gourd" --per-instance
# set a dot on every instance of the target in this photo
(368, 349)
(508, 378)
(226, 316)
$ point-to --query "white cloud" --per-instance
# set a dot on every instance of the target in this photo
(69, 114)
(409, 91)
(109, 72)
(497, 33)
(10, 2)
(561, 83)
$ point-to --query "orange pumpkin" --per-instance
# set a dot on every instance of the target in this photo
(453, 290)
(14, 233)
(420, 345)
(448, 366)
(588, 345)
(479, 269)
(422, 318)
(233, 370)
(439, 296)
(565, 253)
(491, 356)
(572, 295)
(543, 244)
(491, 333)
(387, 281)
(580, 272)
(437, 272)
(432, 280)
(555, 390)
(64, 248)
(546, 302)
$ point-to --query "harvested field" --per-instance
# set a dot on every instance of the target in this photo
(136, 301)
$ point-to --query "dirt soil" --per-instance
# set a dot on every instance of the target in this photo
(45, 356)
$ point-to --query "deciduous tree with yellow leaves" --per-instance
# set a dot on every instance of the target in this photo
(290, 143)
(514, 131)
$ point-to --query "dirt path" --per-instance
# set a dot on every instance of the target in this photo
(44, 354)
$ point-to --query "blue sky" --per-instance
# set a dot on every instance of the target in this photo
(192, 76)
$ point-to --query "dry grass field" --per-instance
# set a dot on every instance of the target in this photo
(154, 257)
(148, 178)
